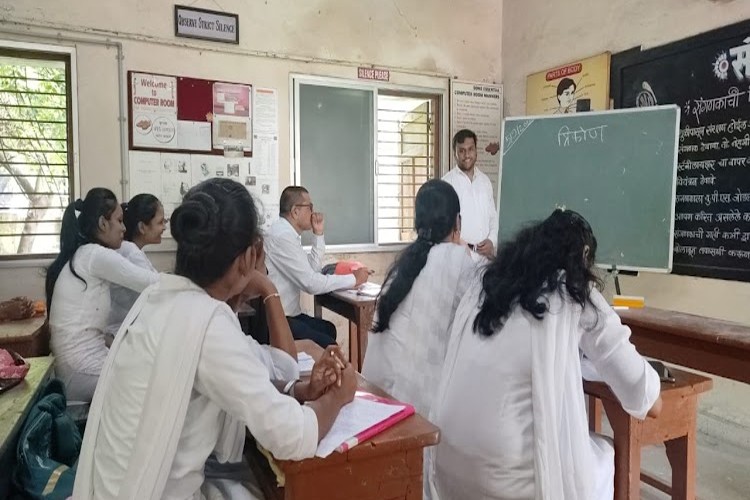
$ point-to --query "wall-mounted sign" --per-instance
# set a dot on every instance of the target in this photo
(190, 22)
(382, 75)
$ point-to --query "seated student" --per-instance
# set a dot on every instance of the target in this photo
(77, 288)
(406, 348)
(511, 404)
(292, 271)
(182, 381)
(144, 221)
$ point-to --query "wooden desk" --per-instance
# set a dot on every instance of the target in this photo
(710, 345)
(28, 337)
(388, 466)
(359, 310)
(675, 427)
(15, 405)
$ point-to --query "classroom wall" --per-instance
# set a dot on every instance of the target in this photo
(421, 47)
(538, 35)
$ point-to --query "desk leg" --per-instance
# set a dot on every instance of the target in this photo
(317, 309)
(627, 437)
(354, 346)
(595, 414)
(681, 455)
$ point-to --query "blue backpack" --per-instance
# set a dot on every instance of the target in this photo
(48, 448)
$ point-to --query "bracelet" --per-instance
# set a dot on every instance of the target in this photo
(289, 387)
(265, 299)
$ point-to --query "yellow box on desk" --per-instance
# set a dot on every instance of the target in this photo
(628, 301)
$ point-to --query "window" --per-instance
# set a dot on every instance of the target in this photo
(36, 153)
(406, 159)
(363, 151)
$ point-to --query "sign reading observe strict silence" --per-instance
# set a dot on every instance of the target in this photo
(191, 22)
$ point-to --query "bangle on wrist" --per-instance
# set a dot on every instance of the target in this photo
(265, 299)
(289, 387)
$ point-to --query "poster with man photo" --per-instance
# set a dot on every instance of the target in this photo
(578, 86)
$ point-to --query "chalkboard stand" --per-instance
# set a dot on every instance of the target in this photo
(616, 273)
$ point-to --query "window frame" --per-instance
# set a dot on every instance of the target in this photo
(66, 54)
(442, 152)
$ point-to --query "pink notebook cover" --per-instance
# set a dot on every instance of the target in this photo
(376, 429)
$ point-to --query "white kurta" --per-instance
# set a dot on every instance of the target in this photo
(123, 298)
(79, 311)
(294, 271)
(231, 383)
(406, 359)
(511, 407)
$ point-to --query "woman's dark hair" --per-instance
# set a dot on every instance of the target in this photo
(216, 222)
(140, 208)
(78, 230)
(529, 267)
(437, 208)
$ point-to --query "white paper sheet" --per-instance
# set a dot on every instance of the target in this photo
(357, 416)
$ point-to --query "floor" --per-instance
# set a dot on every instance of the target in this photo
(723, 469)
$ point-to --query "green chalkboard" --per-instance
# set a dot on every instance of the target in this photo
(616, 168)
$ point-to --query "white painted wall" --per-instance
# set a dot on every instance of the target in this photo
(538, 35)
(421, 46)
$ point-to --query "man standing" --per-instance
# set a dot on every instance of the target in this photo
(293, 271)
(478, 214)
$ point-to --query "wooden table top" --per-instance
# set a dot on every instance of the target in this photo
(413, 432)
(351, 298)
(21, 328)
(709, 330)
(15, 403)
(685, 383)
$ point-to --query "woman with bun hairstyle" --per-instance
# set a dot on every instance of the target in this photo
(144, 221)
(183, 383)
(77, 288)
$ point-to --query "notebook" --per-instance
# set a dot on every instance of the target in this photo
(305, 362)
(366, 416)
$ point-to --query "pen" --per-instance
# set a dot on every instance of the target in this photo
(341, 365)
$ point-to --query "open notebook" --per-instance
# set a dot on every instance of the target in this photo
(365, 417)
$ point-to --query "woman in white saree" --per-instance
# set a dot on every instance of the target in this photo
(511, 405)
(182, 382)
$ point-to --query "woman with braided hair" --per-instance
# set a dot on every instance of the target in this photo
(422, 289)
(77, 288)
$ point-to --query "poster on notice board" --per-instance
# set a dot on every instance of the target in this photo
(577, 86)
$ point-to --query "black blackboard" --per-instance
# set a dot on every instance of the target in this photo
(708, 77)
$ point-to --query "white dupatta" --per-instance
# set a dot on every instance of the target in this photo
(166, 400)
(563, 458)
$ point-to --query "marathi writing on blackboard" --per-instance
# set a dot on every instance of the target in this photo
(580, 135)
(514, 133)
(712, 220)
(709, 79)
(699, 107)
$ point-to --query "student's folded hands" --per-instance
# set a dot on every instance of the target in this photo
(328, 371)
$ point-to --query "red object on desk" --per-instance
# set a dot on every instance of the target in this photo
(347, 266)
(376, 429)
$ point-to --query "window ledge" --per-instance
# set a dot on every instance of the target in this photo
(362, 248)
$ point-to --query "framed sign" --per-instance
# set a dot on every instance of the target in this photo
(191, 22)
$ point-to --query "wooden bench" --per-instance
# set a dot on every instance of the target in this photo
(388, 466)
(28, 337)
(706, 344)
(675, 427)
(15, 405)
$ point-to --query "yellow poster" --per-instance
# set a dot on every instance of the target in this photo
(579, 86)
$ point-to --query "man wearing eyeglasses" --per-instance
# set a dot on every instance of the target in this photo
(292, 270)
